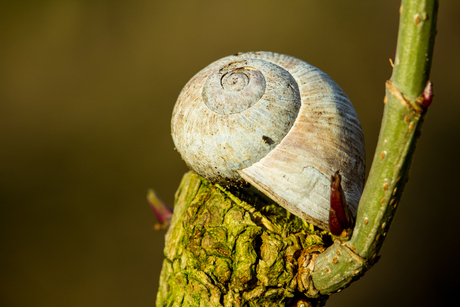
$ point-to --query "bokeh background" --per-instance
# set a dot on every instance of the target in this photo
(86, 94)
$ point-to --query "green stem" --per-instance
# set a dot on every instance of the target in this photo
(402, 121)
(417, 30)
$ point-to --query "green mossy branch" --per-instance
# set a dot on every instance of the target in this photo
(236, 248)
(223, 251)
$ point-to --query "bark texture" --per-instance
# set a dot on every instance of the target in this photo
(223, 251)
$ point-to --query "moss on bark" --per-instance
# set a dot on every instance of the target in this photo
(223, 251)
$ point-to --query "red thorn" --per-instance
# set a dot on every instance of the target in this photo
(427, 94)
(162, 212)
(340, 217)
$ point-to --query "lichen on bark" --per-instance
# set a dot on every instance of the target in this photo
(224, 251)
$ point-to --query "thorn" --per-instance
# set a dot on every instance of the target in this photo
(427, 94)
(340, 217)
(162, 212)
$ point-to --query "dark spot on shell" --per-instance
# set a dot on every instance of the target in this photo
(267, 140)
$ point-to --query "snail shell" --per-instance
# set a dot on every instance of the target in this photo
(275, 122)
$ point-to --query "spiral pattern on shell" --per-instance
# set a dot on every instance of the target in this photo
(275, 122)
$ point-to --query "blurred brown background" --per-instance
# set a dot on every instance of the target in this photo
(86, 94)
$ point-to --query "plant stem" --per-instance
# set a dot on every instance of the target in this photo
(417, 31)
(407, 96)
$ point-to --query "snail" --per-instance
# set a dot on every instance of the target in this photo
(279, 124)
